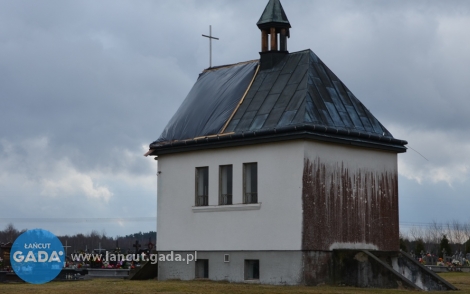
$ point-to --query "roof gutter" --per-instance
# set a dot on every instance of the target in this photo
(316, 132)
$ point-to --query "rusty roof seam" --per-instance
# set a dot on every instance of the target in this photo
(241, 100)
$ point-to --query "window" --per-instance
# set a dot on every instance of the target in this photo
(225, 185)
(202, 269)
(202, 186)
(226, 257)
(250, 183)
(251, 269)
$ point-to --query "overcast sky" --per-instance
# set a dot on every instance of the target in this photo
(86, 86)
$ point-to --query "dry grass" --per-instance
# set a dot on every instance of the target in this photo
(460, 280)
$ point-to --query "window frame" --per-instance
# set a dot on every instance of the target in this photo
(205, 198)
(248, 199)
(228, 198)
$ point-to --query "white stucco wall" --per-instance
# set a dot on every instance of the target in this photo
(276, 225)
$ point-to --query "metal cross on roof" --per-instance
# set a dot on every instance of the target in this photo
(210, 44)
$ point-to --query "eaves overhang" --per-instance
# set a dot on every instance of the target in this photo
(308, 132)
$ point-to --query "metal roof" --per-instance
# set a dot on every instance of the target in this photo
(299, 98)
(301, 89)
(273, 13)
(210, 102)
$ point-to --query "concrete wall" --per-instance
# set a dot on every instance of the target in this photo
(420, 275)
(274, 224)
(275, 267)
(350, 198)
(364, 269)
(317, 267)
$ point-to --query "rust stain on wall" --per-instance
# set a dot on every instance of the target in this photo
(348, 206)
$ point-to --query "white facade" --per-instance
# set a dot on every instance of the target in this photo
(275, 223)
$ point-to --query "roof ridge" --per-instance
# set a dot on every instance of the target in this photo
(248, 61)
(229, 65)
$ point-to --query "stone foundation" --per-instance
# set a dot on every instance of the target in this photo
(358, 268)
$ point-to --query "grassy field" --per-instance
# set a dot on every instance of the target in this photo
(460, 280)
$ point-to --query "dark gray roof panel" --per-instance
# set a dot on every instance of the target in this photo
(291, 64)
(268, 104)
(298, 74)
(283, 82)
(299, 117)
(257, 101)
(269, 81)
(210, 102)
(296, 100)
(280, 83)
(273, 118)
(310, 93)
(285, 96)
(259, 121)
(311, 112)
(286, 118)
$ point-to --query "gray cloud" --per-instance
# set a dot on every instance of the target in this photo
(86, 86)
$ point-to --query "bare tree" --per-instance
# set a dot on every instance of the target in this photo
(459, 234)
(416, 233)
(11, 233)
(466, 231)
(437, 231)
(449, 233)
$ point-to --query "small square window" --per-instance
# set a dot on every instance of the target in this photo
(202, 269)
(250, 183)
(226, 257)
(251, 269)
(225, 184)
(202, 186)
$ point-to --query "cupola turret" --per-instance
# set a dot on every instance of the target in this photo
(274, 27)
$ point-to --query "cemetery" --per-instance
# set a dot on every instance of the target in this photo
(451, 266)
(85, 265)
(458, 262)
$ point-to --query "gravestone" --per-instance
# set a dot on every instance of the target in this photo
(5, 253)
(137, 246)
(150, 245)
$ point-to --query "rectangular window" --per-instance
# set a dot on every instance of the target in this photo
(225, 185)
(250, 183)
(202, 269)
(251, 269)
(202, 186)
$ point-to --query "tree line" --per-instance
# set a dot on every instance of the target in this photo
(433, 238)
(91, 241)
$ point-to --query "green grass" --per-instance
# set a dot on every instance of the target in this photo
(460, 280)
